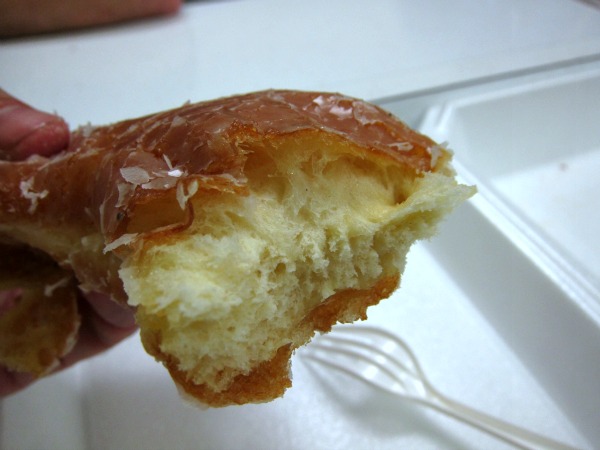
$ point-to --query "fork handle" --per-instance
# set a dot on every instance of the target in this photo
(508, 432)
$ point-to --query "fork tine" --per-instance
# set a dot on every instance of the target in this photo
(362, 344)
(330, 357)
(377, 334)
(364, 352)
(358, 352)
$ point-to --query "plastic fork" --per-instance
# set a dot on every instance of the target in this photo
(382, 360)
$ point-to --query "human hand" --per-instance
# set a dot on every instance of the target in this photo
(22, 17)
(25, 131)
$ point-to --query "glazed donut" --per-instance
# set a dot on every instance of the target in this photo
(236, 228)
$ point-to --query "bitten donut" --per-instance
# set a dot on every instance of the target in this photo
(236, 228)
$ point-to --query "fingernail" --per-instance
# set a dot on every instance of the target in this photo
(25, 131)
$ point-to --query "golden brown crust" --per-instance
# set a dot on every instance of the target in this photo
(267, 381)
(271, 378)
(108, 172)
(88, 207)
(350, 304)
(111, 175)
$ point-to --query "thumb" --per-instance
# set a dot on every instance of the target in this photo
(25, 131)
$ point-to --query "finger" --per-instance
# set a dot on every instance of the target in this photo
(110, 311)
(25, 131)
(11, 382)
(104, 324)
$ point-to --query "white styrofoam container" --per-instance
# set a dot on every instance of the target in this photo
(533, 149)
